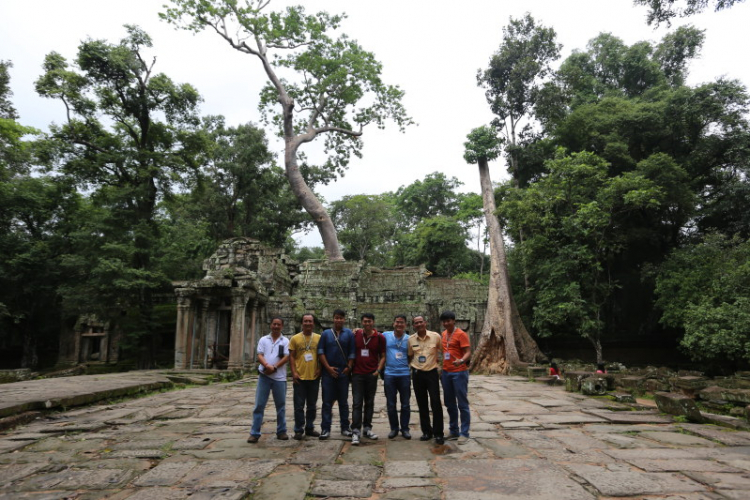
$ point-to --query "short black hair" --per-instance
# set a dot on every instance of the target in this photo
(447, 315)
(402, 316)
(368, 315)
(277, 317)
(339, 312)
(309, 314)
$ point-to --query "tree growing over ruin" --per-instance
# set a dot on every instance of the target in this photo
(504, 341)
(319, 84)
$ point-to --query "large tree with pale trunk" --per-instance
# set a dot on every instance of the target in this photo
(317, 85)
(504, 342)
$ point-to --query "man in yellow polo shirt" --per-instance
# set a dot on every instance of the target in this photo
(303, 352)
(426, 359)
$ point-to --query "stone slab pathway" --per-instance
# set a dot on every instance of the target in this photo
(529, 441)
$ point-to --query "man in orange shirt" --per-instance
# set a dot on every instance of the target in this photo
(455, 377)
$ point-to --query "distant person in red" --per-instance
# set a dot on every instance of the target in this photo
(554, 371)
(600, 369)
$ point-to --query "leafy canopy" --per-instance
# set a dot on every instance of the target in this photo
(664, 11)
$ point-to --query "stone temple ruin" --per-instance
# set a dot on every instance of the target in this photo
(221, 317)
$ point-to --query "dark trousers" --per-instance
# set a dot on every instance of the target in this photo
(364, 388)
(427, 385)
(335, 389)
(305, 393)
(398, 386)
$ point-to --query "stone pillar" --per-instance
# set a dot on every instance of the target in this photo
(182, 331)
(237, 332)
(210, 336)
(201, 335)
(253, 333)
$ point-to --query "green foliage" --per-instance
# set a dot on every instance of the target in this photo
(131, 134)
(440, 244)
(308, 253)
(239, 191)
(664, 11)
(366, 225)
(705, 288)
(482, 144)
(572, 225)
(513, 82)
(675, 165)
(434, 196)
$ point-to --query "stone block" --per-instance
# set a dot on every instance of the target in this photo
(655, 385)
(594, 386)
(678, 404)
(573, 380)
(714, 393)
(633, 383)
(624, 397)
(537, 371)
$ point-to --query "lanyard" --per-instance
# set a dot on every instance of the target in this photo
(308, 344)
(399, 341)
(366, 339)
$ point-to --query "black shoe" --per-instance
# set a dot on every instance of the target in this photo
(283, 436)
(392, 434)
(406, 434)
(425, 437)
(299, 435)
(439, 440)
(324, 435)
(312, 433)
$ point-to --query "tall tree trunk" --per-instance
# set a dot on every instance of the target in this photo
(301, 190)
(504, 341)
(310, 203)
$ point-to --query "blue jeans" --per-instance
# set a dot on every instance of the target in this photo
(401, 386)
(265, 386)
(455, 396)
(305, 393)
(364, 388)
(335, 389)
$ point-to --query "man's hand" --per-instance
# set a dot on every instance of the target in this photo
(296, 379)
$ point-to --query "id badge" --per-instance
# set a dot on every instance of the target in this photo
(422, 359)
(365, 353)
(447, 356)
(399, 355)
(308, 356)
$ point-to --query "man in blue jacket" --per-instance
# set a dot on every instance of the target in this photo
(336, 355)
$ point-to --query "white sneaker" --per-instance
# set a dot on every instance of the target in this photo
(370, 435)
(463, 440)
(355, 439)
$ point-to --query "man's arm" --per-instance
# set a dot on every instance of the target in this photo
(293, 366)
(381, 354)
(269, 368)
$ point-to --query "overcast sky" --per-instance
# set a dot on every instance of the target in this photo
(432, 50)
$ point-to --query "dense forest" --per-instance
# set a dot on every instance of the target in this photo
(627, 210)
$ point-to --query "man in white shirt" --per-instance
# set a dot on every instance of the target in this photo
(273, 354)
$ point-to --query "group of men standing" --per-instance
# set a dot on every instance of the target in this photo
(339, 358)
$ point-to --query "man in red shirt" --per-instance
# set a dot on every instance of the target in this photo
(369, 359)
(455, 377)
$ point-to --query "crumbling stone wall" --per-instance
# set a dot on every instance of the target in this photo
(260, 282)
(322, 286)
